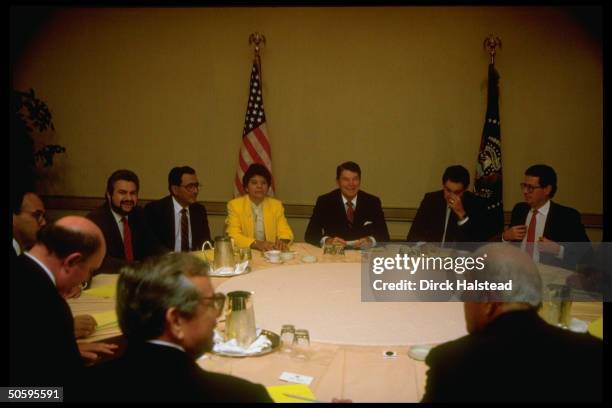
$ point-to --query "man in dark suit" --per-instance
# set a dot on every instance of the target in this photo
(178, 221)
(123, 223)
(543, 227)
(510, 353)
(452, 214)
(29, 216)
(43, 349)
(347, 215)
(167, 309)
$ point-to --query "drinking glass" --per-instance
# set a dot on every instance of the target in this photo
(301, 344)
(287, 337)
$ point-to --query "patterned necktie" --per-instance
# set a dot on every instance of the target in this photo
(184, 231)
(127, 240)
(350, 212)
(531, 233)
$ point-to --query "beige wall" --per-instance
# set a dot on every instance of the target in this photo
(402, 91)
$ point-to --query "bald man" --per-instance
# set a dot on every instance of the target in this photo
(28, 218)
(510, 353)
(43, 350)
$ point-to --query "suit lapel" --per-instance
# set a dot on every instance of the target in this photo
(196, 220)
(550, 220)
(116, 241)
(169, 224)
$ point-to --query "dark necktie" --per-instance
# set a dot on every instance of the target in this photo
(531, 233)
(350, 212)
(127, 240)
(184, 231)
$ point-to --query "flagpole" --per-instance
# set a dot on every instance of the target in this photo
(490, 44)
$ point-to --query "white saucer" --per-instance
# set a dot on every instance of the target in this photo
(274, 262)
(419, 352)
(309, 258)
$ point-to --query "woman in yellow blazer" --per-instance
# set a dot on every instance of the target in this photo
(256, 220)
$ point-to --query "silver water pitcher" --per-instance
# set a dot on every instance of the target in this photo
(223, 252)
(240, 318)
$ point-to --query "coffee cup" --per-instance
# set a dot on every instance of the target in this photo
(287, 256)
(273, 255)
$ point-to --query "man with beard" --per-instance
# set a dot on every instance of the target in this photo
(167, 310)
(128, 237)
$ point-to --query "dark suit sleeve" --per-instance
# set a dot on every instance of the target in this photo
(314, 231)
(418, 224)
(380, 231)
(207, 236)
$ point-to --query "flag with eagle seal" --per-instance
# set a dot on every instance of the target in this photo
(488, 183)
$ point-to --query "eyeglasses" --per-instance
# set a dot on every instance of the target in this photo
(218, 301)
(191, 187)
(39, 215)
(529, 187)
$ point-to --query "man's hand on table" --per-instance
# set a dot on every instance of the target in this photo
(89, 351)
(364, 242)
(84, 325)
(334, 241)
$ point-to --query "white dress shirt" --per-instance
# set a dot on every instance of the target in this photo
(177, 225)
(345, 201)
(119, 222)
(17, 247)
(258, 224)
(541, 217)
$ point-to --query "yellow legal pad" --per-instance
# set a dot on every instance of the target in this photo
(277, 392)
(105, 291)
(105, 319)
(596, 328)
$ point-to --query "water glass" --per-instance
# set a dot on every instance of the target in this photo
(245, 254)
(339, 249)
(287, 337)
(329, 249)
(301, 344)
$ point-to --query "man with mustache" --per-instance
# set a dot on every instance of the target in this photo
(128, 236)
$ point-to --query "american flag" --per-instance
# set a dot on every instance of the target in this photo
(255, 144)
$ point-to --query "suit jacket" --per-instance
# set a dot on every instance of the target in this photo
(240, 224)
(329, 219)
(153, 373)
(160, 217)
(428, 224)
(43, 350)
(516, 358)
(144, 241)
(563, 224)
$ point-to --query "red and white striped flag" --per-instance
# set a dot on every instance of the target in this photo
(255, 144)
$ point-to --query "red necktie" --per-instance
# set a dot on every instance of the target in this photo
(127, 240)
(184, 231)
(350, 212)
(531, 233)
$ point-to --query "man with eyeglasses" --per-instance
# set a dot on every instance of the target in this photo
(29, 217)
(543, 226)
(178, 220)
(167, 310)
(452, 214)
(128, 236)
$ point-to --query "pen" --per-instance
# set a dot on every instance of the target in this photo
(300, 397)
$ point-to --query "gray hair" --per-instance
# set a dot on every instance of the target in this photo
(505, 262)
(145, 291)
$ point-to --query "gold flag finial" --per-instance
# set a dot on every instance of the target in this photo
(257, 39)
(490, 45)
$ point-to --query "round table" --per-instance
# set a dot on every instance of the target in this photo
(325, 299)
